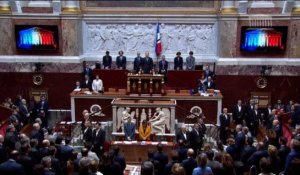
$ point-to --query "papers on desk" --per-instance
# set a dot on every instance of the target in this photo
(118, 142)
(130, 142)
(154, 143)
(77, 90)
(204, 94)
(88, 92)
(164, 143)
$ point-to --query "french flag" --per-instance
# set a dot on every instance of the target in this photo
(158, 46)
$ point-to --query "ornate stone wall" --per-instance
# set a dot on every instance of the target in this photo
(200, 38)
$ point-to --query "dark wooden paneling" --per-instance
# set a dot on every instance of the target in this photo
(82, 104)
(58, 85)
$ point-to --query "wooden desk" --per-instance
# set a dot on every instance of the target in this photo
(136, 152)
(145, 84)
(211, 105)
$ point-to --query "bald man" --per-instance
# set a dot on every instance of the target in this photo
(190, 163)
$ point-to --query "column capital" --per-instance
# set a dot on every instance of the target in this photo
(296, 8)
(71, 7)
(228, 8)
(5, 7)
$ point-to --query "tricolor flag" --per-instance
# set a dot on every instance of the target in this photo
(158, 46)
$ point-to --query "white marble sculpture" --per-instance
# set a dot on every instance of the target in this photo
(159, 121)
(200, 38)
(124, 114)
(143, 115)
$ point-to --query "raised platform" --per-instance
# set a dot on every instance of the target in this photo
(185, 103)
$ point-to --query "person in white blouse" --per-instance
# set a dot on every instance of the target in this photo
(97, 85)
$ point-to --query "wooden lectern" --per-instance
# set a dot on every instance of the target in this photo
(145, 84)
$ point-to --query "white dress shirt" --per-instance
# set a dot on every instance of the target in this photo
(97, 85)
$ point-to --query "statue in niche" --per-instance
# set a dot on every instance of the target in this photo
(159, 121)
(143, 115)
(122, 117)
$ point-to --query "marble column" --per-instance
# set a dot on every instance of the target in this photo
(70, 6)
(296, 8)
(5, 7)
(228, 7)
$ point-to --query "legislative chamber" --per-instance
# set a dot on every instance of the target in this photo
(148, 87)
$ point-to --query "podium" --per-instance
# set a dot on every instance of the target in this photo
(145, 84)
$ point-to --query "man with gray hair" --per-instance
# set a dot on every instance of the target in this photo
(46, 162)
(24, 112)
(240, 140)
(138, 63)
(183, 135)
(190, 163)
(293, 155)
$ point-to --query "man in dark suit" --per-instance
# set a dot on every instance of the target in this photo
(162, 158)
(55, 163)
(240, 140)
(288, 107)
(210, 84)
(37, 133)
(256, 156)
(238, 113)
(248, 150)
(11, 167)
(66, 150)
(292, 157)
(178, 61)
(182, 151)
(190, 163)
(183, 135)
(121, 60)
(196, 138)
(42, 109)
(87, 83)
(25, 159)
(278, 105)
(207, 72)
(283, 150)
(87, 70)
(11, 137)
(88, 132)
(107, 60)
(147, 63)
(138, 63)
(24, 112)
(46, 163)
(252, 120)
(117, 157)
(168, 168)
(98, 139)
(224, 125)
(129, 130)
(3, 154)
(163, 65)
(266, 114)
(278, 130)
